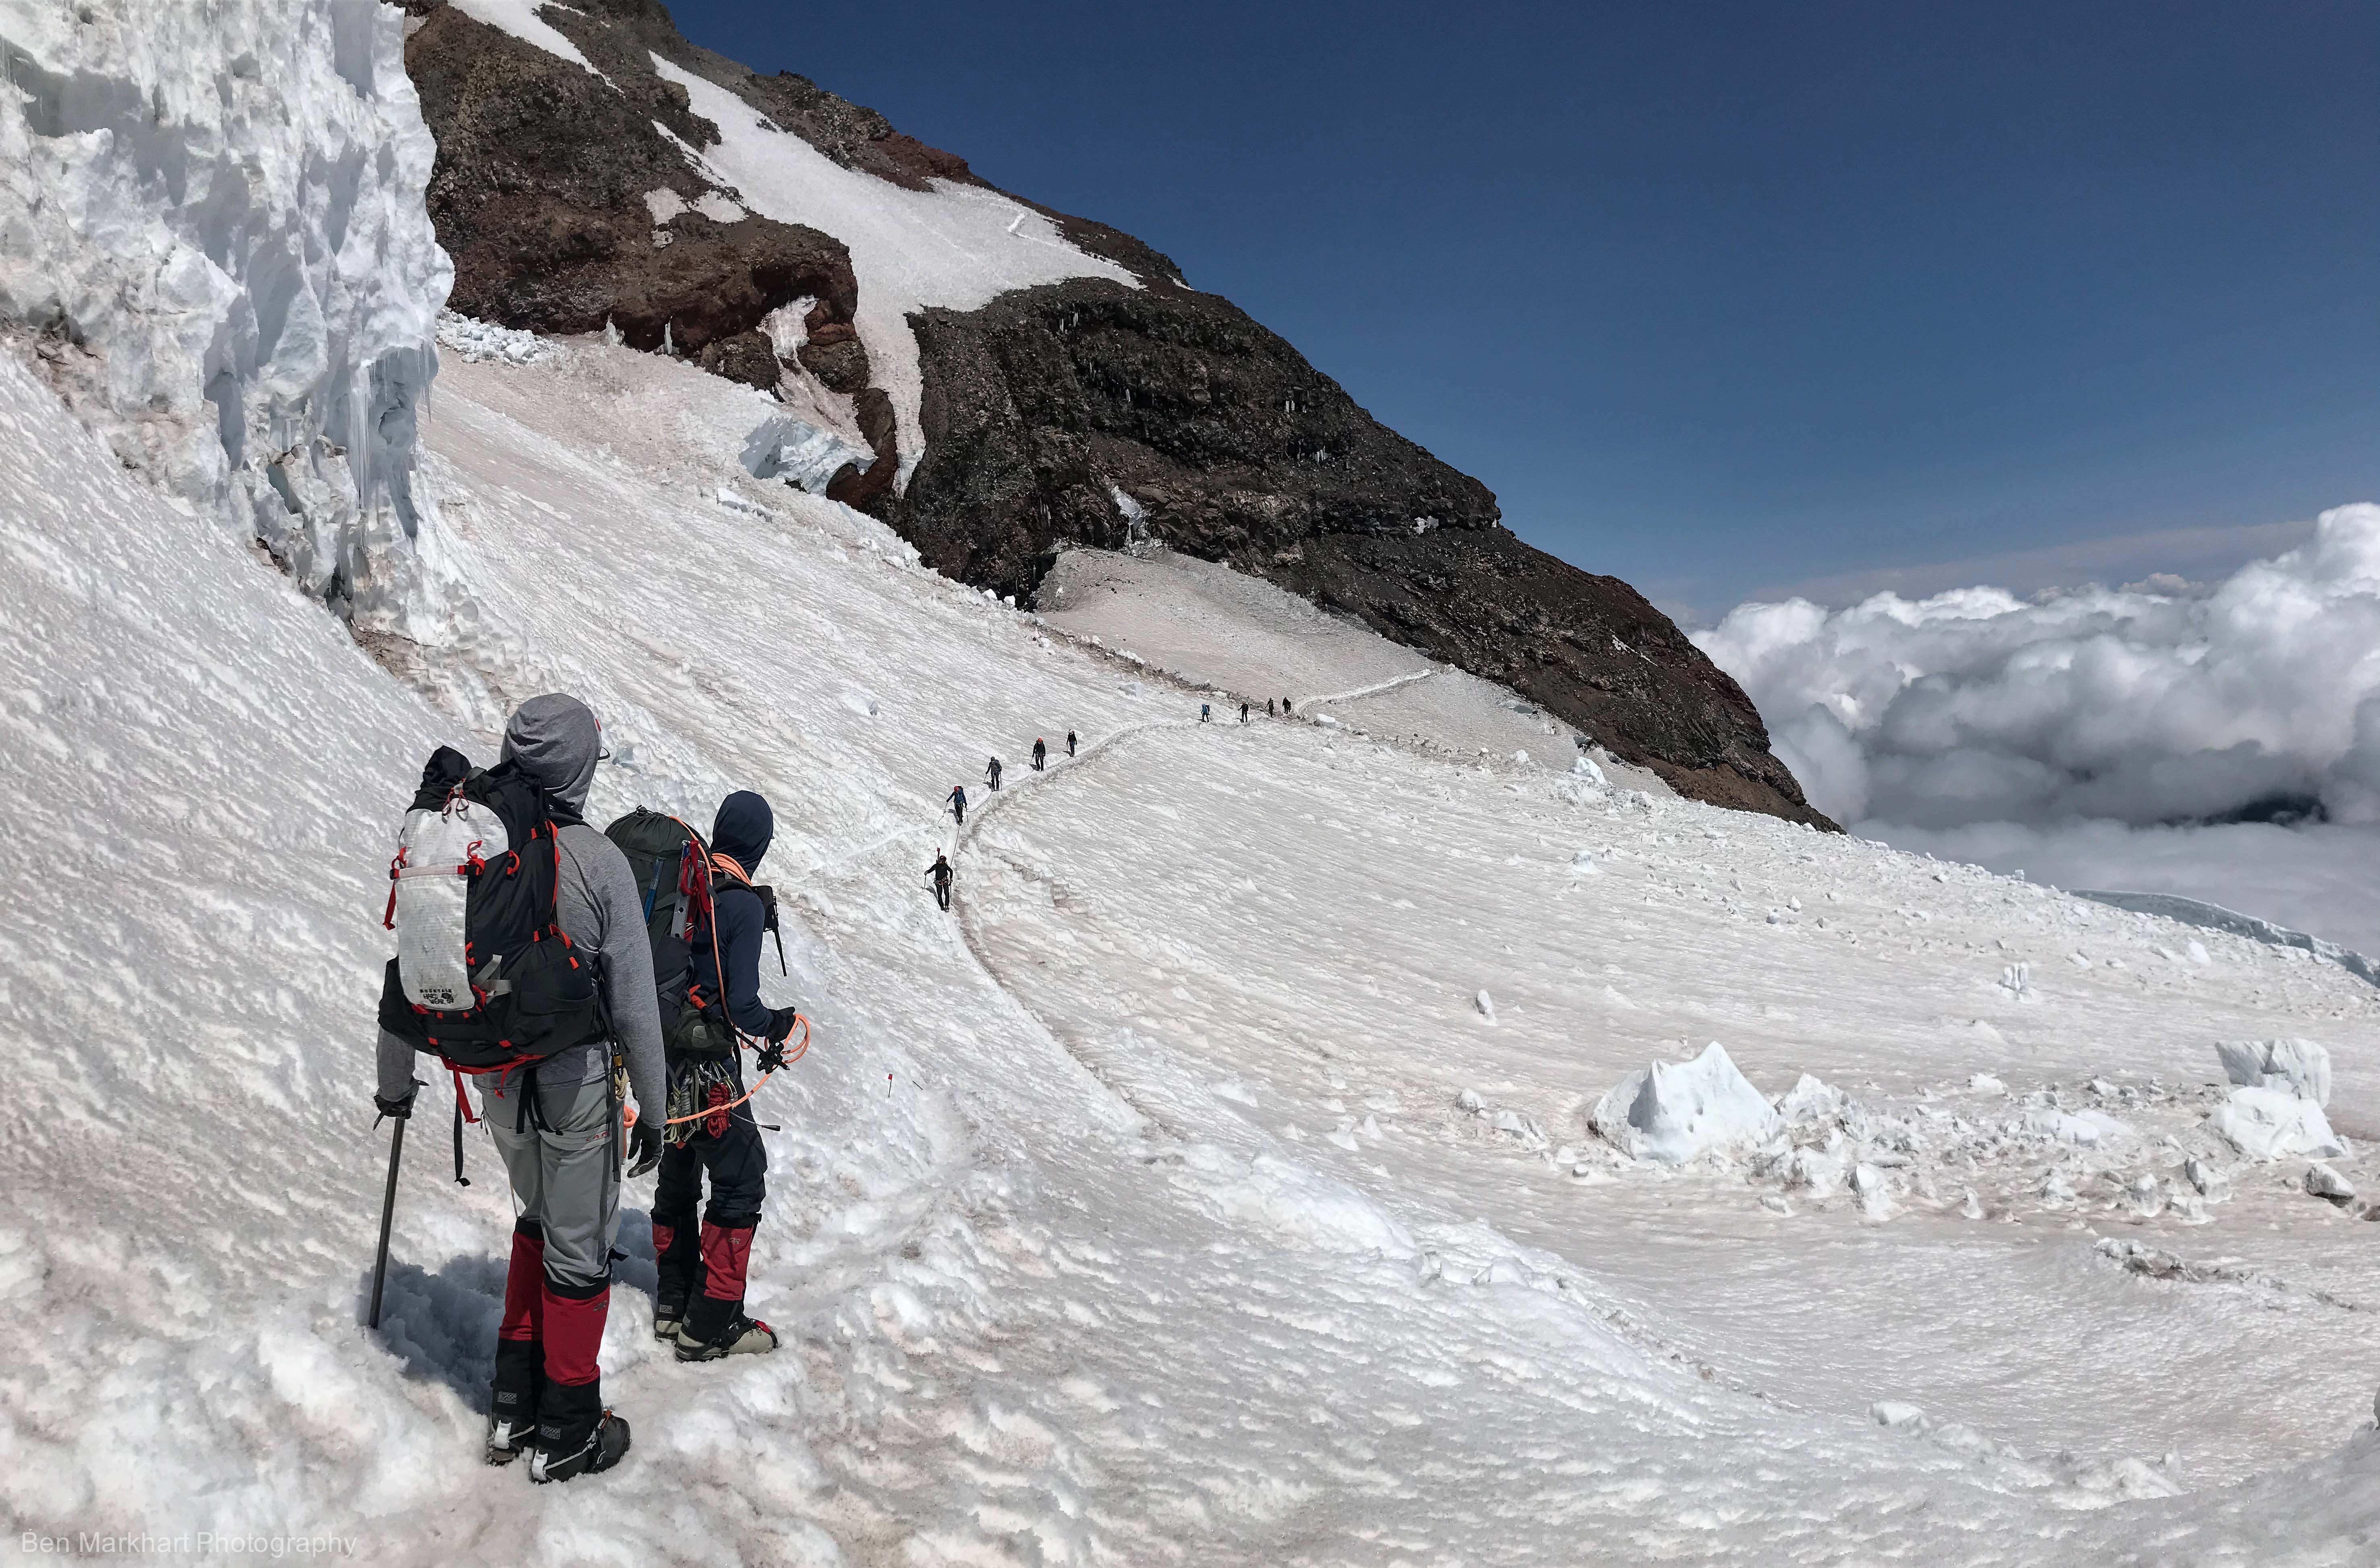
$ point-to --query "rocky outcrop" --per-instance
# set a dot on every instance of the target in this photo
(1086, 412)
(566, 206)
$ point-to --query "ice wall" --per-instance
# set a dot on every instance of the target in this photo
(212, 229)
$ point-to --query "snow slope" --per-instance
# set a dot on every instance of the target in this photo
(1291, 940)
(1058, 1283)
(213, 215)
(1253, 640)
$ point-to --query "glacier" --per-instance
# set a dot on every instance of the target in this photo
(212, 228)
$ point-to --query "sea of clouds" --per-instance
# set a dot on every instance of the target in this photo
(2218, 741)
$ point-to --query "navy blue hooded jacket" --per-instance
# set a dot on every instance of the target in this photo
(741, 832)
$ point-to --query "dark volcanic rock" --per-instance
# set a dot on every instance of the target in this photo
(538, 195)
(1042, 403)
(1040, 408)
(748, 357)
(1591, 649)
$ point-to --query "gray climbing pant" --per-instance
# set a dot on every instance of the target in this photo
(559, 1146)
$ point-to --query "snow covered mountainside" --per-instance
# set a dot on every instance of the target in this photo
(1295, 1146)
(1217, 1186)
(997, 380)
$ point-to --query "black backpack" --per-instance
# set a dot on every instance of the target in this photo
(671, 865)
(485, 979)
(676, 882)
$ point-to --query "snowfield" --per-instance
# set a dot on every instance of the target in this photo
(1214, 1186)
(1212, 626)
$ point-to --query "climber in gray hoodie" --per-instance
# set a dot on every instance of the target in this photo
(555, 1127)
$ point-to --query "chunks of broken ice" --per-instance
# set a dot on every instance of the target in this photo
(2294, 1066)
(1810, 1100)
(1868, 1187)
(2084, 1129)
(2324, 1182)
(1518, 1126)
(1674, 1112)
(2140, 1258)
(2272, 1123)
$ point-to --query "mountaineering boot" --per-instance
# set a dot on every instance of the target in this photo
(739, 1335)
(574, 1433)
(715, 1325)
(606, 1441)
(519, 1381)
(667, 1318)
(508, 1440)
(513, 1408)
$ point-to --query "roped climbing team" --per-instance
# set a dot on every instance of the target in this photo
(556, 1116)
(556, 1107)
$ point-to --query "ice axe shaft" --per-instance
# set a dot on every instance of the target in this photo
(387, 1214)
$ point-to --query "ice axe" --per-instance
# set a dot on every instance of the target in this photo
(387, 1213)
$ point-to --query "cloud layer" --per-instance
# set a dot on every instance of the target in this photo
(2120, 705)
(2089, 737)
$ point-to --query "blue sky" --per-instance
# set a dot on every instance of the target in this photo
(1732, 298)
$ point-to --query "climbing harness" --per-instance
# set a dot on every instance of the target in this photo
(700, 1087)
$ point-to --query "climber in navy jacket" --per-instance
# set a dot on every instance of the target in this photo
(701, 1305)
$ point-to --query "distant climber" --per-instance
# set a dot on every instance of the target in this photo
(552, 1112)
(1204, 713)
(1268, 708)
(991, 774)
(939, 873)
(699, 1307)
(1040, 754)
(1070, 743)
(1284, 708)
(958, 803)
(1244, 713)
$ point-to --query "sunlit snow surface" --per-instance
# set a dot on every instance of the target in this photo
(1058, 1281)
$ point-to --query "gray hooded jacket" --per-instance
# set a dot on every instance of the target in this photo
(595, 898)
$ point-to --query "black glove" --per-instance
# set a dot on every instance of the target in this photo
(770, 1057)
(399, 1108)
(644, 1146)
